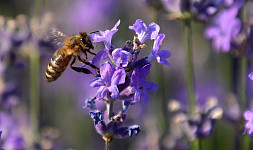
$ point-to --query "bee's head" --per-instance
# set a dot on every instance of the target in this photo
(86, 41)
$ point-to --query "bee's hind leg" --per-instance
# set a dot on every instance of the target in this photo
(78, 69)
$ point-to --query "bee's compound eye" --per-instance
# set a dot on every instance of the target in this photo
(83, 41)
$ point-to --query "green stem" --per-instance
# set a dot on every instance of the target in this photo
(34, 92)
(242, 81)
(107, 145)
(110, 108)
(245, 142)
(190, 73)
(195, 145)
(243, 98)
(189, 64)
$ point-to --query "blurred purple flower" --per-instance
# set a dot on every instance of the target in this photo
(141, 85)
(225, 27)
(228, 2)
(251, 76)
(202, 126)
(143, 32)
(121, 57)
(159, 54)
(15, 141)
(109, 80)
(206, 8)
(173, 6)
(1, 139)
(12, 136)
(248, 116)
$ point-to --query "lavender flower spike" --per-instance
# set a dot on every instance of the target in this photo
(109, 80)
(226, 27)
(248, 116)
(159, 54)
(143, 32)
(142, 86)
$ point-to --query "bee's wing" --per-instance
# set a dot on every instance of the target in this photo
(57, 36)
(52, 41)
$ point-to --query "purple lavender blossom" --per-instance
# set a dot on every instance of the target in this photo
(202, 126)
(142, 86)
(143, 32)
(121, 57)
(159, 54)
(126, 81)
(225, 27)
(248, 116)
(110, 78)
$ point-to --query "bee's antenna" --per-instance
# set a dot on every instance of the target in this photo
(94, 32)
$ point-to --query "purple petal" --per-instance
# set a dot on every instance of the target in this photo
(101, 55)
(211, 32)
(106, 71)
(96, 38)
(145, 96)
(144, 71)
(158, 41)
(162, 55)
(139, 27)
(101, 93)
(143, 32)
(116, 25)
(121, 57)
(135, 78)
(251, 76)
(248, 115)
(121, 132)
(97, 82)
(150, 86)
(114, 91)
(118, 77)
(137, 95)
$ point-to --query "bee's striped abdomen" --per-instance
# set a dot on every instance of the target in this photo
(57, 65)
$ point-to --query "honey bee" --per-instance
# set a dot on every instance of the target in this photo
(73, 46)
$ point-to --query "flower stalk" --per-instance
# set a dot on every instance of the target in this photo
(34, 92)
(189, 64)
